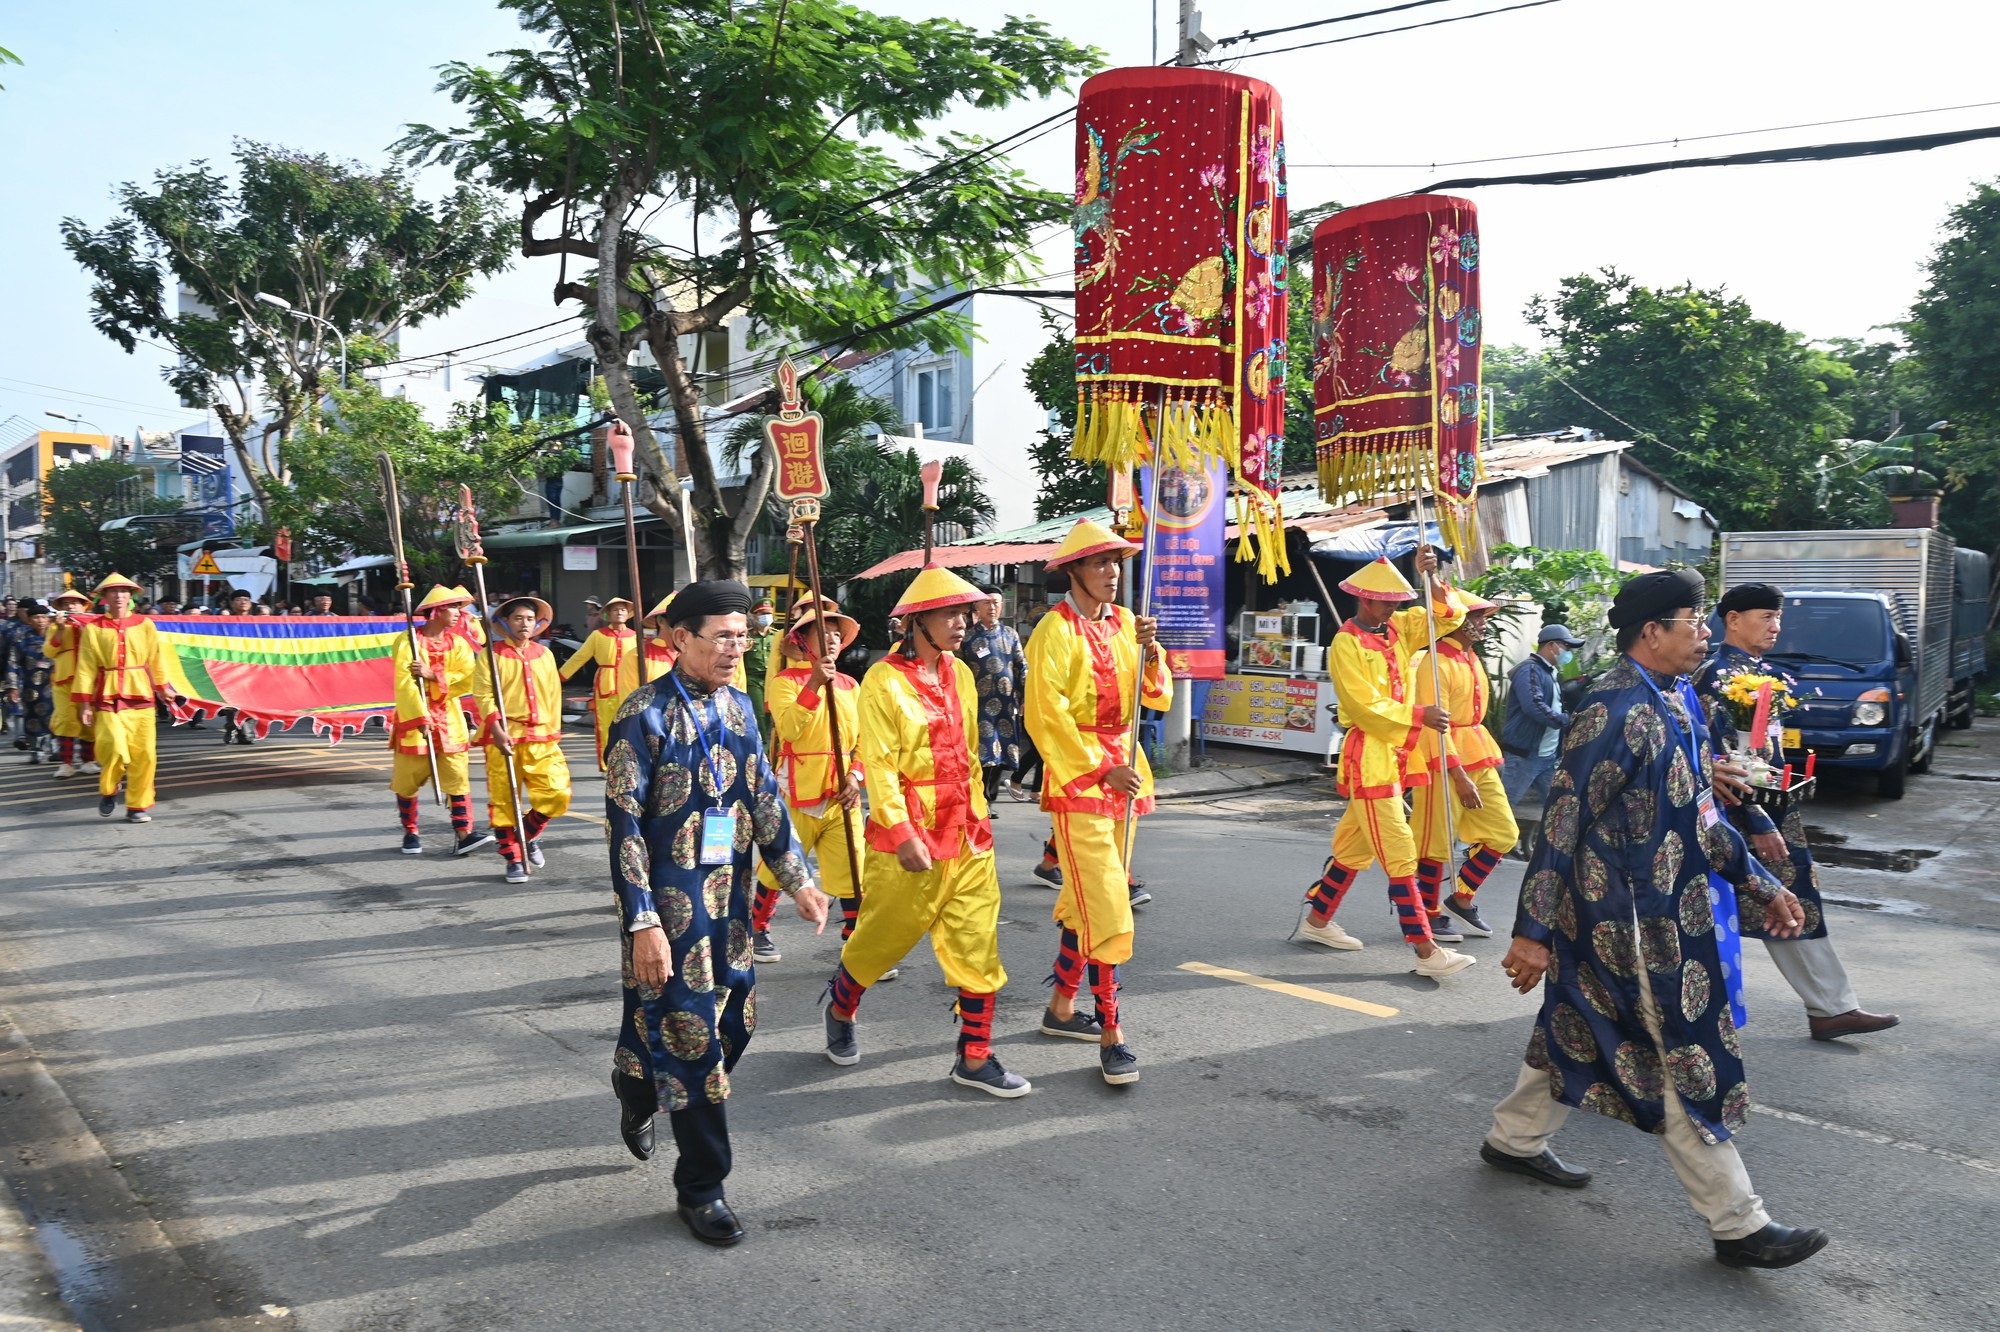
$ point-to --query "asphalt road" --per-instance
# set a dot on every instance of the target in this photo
(338, 1088)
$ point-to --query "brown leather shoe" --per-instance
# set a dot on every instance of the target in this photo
(1854, 1022)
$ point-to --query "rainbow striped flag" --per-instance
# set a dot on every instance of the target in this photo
(276, 671)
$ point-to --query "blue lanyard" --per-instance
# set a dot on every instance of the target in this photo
(1686, 740)
(701, 727)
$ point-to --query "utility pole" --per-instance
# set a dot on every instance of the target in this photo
(1194, 43)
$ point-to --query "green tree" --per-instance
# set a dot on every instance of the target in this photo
(84, 496)
(333, 499)
(7, 58)
(752, 128)
(183, 262)
(1738, 411)
(1951, 334)
(1067, 485)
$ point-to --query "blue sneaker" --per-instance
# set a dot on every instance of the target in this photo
(413, 845)
(840, 1044)
(1050, 875)
(1119, 1064)
(990, 1078)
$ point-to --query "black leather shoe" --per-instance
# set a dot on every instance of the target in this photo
(712, 1223)
(637, 1130)
(1773, 1246)
(1547, 1167)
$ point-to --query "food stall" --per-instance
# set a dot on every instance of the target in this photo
(1278, 694)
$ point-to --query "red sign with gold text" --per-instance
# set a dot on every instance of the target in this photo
(795, 437)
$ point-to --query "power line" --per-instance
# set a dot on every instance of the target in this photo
(1825, 152)
(1247, 36)
(1616, 147)
(453, 351)
(1384, 32)
(99, 399)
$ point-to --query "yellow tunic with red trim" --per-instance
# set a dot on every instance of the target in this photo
(1462, 679)
(915, 744)
(614, 651)
(453, 669)
(530, 690)
(804, 732)
(120, 664)
(1078, 708)
(63, 641)
(1371, 672)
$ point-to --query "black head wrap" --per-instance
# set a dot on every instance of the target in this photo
(1655, 596)
(1752, 596)
(714, 596)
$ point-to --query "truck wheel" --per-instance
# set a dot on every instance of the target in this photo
(1962, 719)
(1889, 783)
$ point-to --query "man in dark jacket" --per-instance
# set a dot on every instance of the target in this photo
(1534, 716)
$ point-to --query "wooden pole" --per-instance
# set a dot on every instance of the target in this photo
(619, 439)
(392, 502)
(841, 760)
(474, 554)
(1145, 604)
(1443, 779)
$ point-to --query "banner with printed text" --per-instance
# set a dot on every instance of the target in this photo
(1188, 567)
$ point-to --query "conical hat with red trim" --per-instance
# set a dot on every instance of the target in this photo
(1089, 537)
(935, 588)
(799, 639)
(116, 580)
(440, 595)
(69, 594)
(626, 602)
(661, 608)
(544, 614)
(1380, 581)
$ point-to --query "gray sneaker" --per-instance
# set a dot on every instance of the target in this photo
(990, 1078)
(535, 856)
(1075, 1027)
(1445, 930)
(1120, 1065)
(840, 1045)
(516, 872)
(763, 949)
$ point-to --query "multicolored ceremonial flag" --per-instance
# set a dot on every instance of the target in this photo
(1181, 225)
(334, 672)
(1396, 355)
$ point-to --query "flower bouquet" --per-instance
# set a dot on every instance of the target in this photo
(1755, 701)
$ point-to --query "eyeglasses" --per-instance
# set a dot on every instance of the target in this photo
(726, 641)
(1692, 620)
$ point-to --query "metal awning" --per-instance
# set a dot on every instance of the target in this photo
(360, 562)
(959, 557)
(557, 536)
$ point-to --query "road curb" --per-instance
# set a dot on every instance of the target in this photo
(28, 1299)
(115, 1268)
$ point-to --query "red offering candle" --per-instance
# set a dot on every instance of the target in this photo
(1785, 782)
(1760, 720)
(1812, 757)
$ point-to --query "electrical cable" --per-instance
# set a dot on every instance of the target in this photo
(1384, 32)
(1320, 23)
(1616, 147)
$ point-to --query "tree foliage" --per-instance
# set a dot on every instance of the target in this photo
(1951, 336)
(749, 131)
(82, 497)
(1067, 485)
(333, 499)
(183, 260)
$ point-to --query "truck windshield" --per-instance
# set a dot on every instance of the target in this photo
(1852, 632)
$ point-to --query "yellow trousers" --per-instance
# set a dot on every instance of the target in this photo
(824, 835)
(1095, 903)
(411, 773)
(1491, 825)
(602, 711)
(544, 780)
(955, 901)
(125, 746)
(1373, 830)
(64, 722)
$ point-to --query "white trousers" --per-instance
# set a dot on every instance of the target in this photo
(1813, 969)
(1718, 1187)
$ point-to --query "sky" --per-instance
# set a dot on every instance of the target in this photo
(1830, 249)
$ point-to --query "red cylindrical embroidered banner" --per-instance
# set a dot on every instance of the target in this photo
(1180, 279)
(1396, 354)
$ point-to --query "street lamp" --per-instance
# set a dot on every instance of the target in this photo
(76, 421)
(280, 303)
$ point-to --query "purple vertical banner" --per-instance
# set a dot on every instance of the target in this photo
(1188, 568)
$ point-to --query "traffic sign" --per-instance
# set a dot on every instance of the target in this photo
(206, 567)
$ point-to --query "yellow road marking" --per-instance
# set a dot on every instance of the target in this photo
(1327, 997)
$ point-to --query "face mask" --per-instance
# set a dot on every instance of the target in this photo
(1565, 657)
(763, 622)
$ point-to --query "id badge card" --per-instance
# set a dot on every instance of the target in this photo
(718, 836)
(1704, 801)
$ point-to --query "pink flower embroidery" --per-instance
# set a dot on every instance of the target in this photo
(1448, 360)
(1404, 273)
(1444, 246)
(1399, 378)
(1260, 156)
(1213, 175)
(1258, 299)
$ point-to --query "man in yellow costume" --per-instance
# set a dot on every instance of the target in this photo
(821, 789)
(69, 605)
(930, 867)
(429, 683)
(1481, 815)
(1370, 665)
(616, 650)
(1084, 667)
(121, 673)
(524, 723)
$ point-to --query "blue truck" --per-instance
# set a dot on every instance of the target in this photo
(1885, 630)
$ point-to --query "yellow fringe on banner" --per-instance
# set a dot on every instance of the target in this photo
(1260, 529)
(1391, 466)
